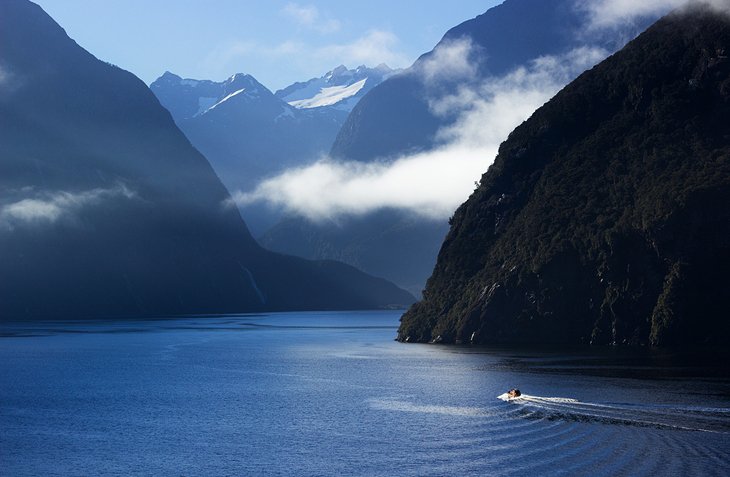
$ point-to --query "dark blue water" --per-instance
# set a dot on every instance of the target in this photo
(332, 394)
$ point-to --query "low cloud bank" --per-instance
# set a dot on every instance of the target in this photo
(48, 208)
(431, 184)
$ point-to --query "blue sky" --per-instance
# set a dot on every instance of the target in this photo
(277, 41)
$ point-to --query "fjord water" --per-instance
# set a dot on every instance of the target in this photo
(333, 394)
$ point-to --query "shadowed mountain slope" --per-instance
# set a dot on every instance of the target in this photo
(106, 208)
(605, 217)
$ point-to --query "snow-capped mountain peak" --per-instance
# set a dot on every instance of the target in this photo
(188, 98)
(340, 88)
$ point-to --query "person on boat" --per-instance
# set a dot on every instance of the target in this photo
(513, 393)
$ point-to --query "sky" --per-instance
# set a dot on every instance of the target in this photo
(279, 42)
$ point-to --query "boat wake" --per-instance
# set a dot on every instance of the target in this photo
(684, 418)
(407, 406)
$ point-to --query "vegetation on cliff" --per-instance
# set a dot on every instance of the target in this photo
(605, 218)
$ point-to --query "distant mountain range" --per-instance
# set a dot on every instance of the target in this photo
(248, 133)
(107, 210)
(605, 217)
(396, 118)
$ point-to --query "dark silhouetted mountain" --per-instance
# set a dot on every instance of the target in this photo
(106, 208)
(605, 216)
(395, 119)
(340, 88)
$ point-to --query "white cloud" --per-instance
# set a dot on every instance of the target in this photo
(50, 207)
(722, 6)
(375, 47)
(434, 183)
(310, 17)
(430, 184)
(488, 112)
(610, 13)
(613, 12)
(449, 61)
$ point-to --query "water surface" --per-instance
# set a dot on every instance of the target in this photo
(333, 394)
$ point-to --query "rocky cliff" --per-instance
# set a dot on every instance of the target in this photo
(605, 216)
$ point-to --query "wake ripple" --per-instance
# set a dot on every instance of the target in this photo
(668, 417)
(558, 436)
(406, 406)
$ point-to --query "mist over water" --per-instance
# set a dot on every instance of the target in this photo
(332, 394)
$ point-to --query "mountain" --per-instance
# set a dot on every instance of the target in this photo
(340, 88)
(246, 132)
(396, 118)
(604, 218)
(106, 208)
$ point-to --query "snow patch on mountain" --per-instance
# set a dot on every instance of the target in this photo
(340, 88)
(234, 94)
(330, 96)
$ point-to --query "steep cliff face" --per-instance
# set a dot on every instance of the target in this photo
(605, 216)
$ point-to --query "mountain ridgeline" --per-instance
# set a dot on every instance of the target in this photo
(107, 210)
(605, 216)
